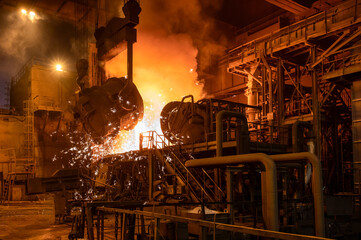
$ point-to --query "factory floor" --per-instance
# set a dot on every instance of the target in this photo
(33, 220)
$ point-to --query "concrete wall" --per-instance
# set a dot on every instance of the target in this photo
(50, 88)
(45, 86)
(11, 139)
(52, 93)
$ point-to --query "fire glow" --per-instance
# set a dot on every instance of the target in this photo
(162, 75)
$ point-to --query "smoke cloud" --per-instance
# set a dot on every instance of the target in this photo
(19, 35)
(170, 34)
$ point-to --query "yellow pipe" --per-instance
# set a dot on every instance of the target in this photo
(219, 128)
(316, 185)
(269, 191)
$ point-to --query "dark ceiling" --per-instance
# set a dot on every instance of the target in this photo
(242, 13)
(238, 13)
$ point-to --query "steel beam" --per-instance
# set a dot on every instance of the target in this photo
(333, 48)
(281, 84)
(297, 87)
(327, 95)
(316, 106)
(270, 91)
(245, 72)
(130, 61)
(61, 6)
(290, 6)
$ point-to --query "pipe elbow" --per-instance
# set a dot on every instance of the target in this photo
(268, 163)
(314, 160)
(224, 113)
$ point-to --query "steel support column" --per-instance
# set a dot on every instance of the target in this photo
(130, 61)
(150, 174)
(230, 199)
(281, 84)
(316, 106)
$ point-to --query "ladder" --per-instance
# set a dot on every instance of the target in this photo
(8, 187)
(29, 136)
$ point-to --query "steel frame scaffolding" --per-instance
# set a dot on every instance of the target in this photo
(304, 72)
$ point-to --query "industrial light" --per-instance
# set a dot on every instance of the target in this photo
(31, 15)
(59, 68)
(57, 64)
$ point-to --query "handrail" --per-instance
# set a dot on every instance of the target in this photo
(184, 167)
(209, 177)
(214, 183)
(160, 142)
(288, 32)
(180, 105)
(215, 225)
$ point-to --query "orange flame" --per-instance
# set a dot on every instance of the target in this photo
(163, 72)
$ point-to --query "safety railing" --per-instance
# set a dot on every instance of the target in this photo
(297, 106)
(129, 220)
(317, 25)
(152, 140)
(259, 132)
(268, 133)
(342, 60)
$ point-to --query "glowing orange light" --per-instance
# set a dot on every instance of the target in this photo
(59, 67)
(23, 11)
(157, 85)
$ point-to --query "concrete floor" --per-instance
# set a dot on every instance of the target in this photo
(31, 220)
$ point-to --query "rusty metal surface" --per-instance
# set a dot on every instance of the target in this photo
(105, 110)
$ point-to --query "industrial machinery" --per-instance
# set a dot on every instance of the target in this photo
(116, 104)
(164, 171)
(171, 174)
(192, 122)
(258, 175)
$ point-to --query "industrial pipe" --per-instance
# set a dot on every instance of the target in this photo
(316, 185)
(295, 137)
(252, 95)
(219, 128)
(270, 190)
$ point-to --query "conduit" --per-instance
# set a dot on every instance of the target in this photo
(219, 129)
(295, 136)
(269, 191)
(316, 184)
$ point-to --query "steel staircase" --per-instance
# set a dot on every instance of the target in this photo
(201, 187)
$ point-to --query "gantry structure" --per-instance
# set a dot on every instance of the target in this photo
(310, 71)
